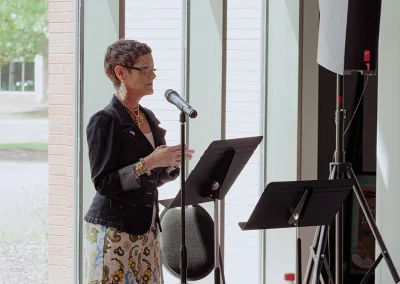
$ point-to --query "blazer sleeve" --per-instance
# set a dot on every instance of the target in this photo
(103, 138)
(167, 175)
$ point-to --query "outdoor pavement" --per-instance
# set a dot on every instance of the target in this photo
(9, 107)
(24, 188)
(15, 129)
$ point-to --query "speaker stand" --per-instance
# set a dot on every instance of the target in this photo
(339, 169)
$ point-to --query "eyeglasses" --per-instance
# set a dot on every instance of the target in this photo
(143, 69)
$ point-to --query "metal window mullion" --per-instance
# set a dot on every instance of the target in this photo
(264, 124)
(78, 142)
(223, 113)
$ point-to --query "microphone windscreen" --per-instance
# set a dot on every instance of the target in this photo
(168, 93)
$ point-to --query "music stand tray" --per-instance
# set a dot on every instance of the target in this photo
(222, 162)
(298, 204)
(321, 201)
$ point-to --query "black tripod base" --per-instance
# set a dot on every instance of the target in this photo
(317, 255)
(374, 228)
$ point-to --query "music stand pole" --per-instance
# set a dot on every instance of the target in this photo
(183, 201)
(215, 195)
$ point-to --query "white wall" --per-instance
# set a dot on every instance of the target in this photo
(388, 140)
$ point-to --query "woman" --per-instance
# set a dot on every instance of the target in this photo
(128, 161)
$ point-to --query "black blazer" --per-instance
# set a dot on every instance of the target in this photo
(115, 145)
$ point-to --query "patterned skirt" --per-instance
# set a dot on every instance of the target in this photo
(113, 257)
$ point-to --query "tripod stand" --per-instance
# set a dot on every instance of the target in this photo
(339, 169)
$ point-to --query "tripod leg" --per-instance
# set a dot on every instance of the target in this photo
(372, 269)
(330, 279)
(339, 247)
(371, 222)
(319, 258)
(318, 236)
(311, 259)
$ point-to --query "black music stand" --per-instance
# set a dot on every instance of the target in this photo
(212, 178)
(299, 204)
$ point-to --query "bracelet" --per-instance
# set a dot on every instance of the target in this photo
(141, 160)
(141, 169)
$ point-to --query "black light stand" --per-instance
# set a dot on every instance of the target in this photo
(339, 169)
(183, 201)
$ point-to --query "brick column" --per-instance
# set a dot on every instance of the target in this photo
(61, 150)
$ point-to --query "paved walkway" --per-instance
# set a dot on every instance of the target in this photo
(9, 107)
(23, 130)
(16, 129)
(23, 211)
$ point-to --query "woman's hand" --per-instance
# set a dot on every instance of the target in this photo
(167, 156)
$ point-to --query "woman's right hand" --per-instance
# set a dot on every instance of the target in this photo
(166, 156)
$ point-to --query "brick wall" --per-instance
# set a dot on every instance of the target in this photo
(61, 105)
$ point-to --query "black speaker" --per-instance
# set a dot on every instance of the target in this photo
(348, 35)
(199, 241)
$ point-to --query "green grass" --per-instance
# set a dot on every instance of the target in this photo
(25, 146)
(30, 115)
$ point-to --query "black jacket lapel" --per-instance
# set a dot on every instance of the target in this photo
(138, 137)
(129, 127)
(158, 132)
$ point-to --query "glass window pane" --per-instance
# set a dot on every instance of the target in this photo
(29, 83)
(15, 79)
(5, 75)
(150, 23)
(159, 24)
(24, 127)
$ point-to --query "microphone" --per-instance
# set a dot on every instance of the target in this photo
(174, 98)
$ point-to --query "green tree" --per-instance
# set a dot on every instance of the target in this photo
(23, 29)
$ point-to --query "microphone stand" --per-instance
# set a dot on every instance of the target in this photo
(183, 202)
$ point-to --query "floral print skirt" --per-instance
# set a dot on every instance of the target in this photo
(113, 257)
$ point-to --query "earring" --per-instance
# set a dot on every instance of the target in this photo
(122, 90)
